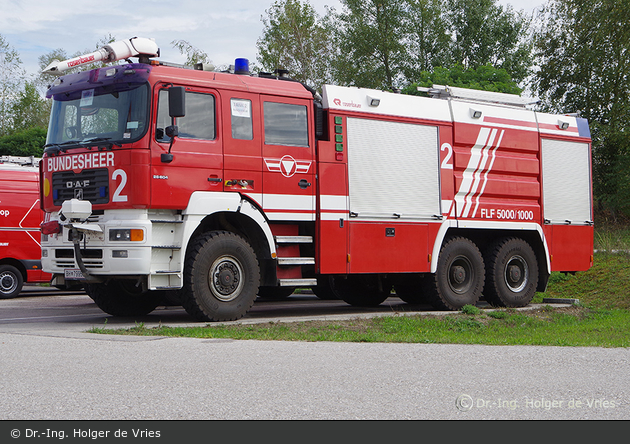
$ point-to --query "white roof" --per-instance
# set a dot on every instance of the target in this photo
(373, 101)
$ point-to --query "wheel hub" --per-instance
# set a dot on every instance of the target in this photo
(225, 278)
(517, 274)
(514, 273)
(7, 283)
(459, 274)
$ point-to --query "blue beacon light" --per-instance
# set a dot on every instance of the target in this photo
(241, 66)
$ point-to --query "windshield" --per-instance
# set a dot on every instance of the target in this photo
(113, 114)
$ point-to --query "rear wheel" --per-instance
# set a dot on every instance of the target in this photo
(221, 277)
(409, 289)
(512, 273)
(459, 278)
(361, 291)
(123, 298)
(11, 281)
(275, 293)
(324, 290)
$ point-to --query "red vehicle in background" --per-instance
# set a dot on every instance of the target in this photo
(20, 219)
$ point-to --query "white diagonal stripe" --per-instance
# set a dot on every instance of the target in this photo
(485, 175)
(477, 174)
(473, 164)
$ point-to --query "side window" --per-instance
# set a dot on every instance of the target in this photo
(241, 119)
(163, 119)
(198, 123)
(285, 124)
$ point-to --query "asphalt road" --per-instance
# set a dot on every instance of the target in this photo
(48, 309)
(53, 370)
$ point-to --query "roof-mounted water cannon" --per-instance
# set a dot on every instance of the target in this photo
(143, 48)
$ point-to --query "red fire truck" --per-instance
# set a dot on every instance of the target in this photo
(217, 187)
(20, 218)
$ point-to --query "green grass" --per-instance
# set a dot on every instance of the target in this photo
(606, 285)
(610, 236)
(575, 326)
(601, 319)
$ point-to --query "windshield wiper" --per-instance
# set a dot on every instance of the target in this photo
(54, 148)
(100, 141)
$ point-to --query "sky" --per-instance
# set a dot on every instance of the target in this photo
(225, 30)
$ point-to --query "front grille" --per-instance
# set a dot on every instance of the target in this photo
(65, 253)
(64, 258)
(92, 185)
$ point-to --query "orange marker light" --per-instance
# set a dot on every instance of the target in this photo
(137, 235)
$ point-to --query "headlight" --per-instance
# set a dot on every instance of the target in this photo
(127, 235)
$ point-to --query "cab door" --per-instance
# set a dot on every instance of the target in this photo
(242, 145)
(288, 159)
(197, 163)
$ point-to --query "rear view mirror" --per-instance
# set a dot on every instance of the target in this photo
(176, 108)
(177, 101)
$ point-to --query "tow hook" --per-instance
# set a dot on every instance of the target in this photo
(77, 254)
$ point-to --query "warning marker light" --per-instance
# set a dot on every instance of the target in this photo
(241, 66)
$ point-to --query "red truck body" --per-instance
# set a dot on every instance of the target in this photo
(263, 186)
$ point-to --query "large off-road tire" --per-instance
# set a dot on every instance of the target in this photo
(361, 291)
(511, 273)
(221, 277)
(460, 276)
(324, 290)
(409, 289)
(123, 298)
(11, 281)
(70, 286)
(275, 293)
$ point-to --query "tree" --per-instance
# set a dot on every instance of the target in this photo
(12, 77)
(483, 32)
(485, 78)
(295, 38)
(29, 110)
(583, 53)
(370, 44)
(29, 142)
(388, 44)
(428, 41)
(193, 55)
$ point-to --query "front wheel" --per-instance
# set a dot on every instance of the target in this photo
(123, 298)
(512, 275)
(459, 278)
(221, 277)
(11, 281)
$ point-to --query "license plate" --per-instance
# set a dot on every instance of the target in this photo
(72, 273)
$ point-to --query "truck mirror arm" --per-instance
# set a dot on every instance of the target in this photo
(176, 108)
(171, 131)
